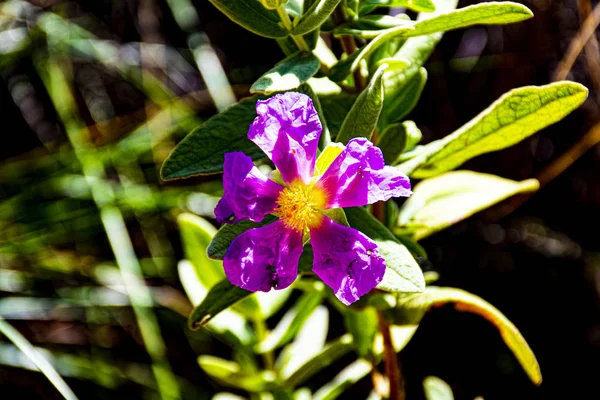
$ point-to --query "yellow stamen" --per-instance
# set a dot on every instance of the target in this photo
(299, 206)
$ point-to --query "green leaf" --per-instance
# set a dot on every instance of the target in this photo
(512, 118)
(196, 235)
(363, 326)
(335, 109)
(362, 119)
(415, 5)
(290, 323)
(344, 380)
(411, 310)
(231, 326)
(370, 26)
(253, 16)
(442, 201)
(398, 138)
(37, 359)
(330, 354)
(314, 17)
(288, 74)
(496, 13)
(308, 344)
(231, 374)
(203, 150)
(485, 13)
(402, 274)
(345, 67)
(273, 4)
(311, 38)
(405, 98)
(221, 241)
(220, 297)
(437, 389)
(350, 9)
(401, 336)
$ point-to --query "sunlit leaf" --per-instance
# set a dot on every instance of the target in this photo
(332, 352)
(288, 74)
(220, 297)
(314, 17)
(415, 5)
(362, 325)
(196, 235)
(362, 118)
(411, 309)
(398, 138)
(308, 344)
(512, 118)
(344, 380)
(442, 201)
(253, 16)
(437, 389)
(231, 374)
(290, 323)
(402, 274)
(203, 150)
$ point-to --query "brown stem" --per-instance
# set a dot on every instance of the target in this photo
(589, 140)
(349, 47)
(390, 359)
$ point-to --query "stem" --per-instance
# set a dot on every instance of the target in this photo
(287, 23)
(390, 359)
(349, 47)
(261, 334)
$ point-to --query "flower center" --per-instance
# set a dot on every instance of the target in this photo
(299, 206)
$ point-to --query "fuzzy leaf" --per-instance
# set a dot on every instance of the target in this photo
(398, 138)
(437, 389)
(405, 98)
(484, 13)
(362, 119)
(344, 380)
(220, 297)
(363, 326)
(415, 5)
(402, 274)
(196, 235)
(314, 17)
(442, 201)
(288, 74)
(332, 352)
(203, 150)
(411, 309)
(230, 373)
(336, 107)
(253, 16)
(370, 26)
(515, 116)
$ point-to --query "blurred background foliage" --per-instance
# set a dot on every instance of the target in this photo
(95, 95)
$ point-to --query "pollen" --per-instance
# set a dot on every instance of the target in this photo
(299, 206)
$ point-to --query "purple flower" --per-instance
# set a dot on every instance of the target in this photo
(287, 129)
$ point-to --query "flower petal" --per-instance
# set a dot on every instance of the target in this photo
(248, 193)
(287, 129)
(264, 258)
(359, 176)
(346, 260)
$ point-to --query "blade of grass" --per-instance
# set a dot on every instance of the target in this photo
(44, 366)
(54, 73)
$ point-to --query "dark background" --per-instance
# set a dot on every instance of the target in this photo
(539, 265)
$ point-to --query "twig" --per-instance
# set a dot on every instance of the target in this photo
(576, 46)
(349, 47)
(592, 50)
(589, 140)
(390, 359)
